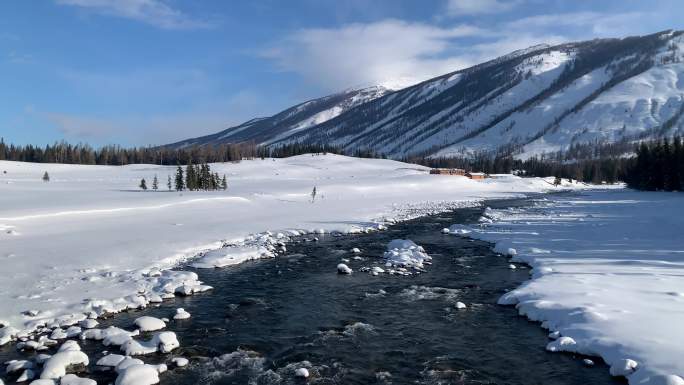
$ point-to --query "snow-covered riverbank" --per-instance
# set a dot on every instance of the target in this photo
(89, 241)
(608, 276)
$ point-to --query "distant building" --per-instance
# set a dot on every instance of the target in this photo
(447, 171)
(459, 172)
(476, 175)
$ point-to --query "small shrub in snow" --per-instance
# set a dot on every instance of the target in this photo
(343, 269)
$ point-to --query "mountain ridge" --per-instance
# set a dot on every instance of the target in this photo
(531, 101)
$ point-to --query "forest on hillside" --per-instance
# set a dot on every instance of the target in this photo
(657, 166)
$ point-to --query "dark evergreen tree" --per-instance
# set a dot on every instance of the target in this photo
(180, 183)
(224, 183)
(143, 184)
(190, 176)
(155, 183)
(46, 177)
(168, 182)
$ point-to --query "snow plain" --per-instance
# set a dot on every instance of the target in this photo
(607, 276)
(89, 242)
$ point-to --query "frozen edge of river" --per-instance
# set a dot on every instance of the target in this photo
(554, 315)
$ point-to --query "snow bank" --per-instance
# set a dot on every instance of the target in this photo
(232, 256)
(606, 277)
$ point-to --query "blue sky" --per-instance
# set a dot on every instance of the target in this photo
(138, 72)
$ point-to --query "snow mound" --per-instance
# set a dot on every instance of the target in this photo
(405, 253)
(180, 361)
(302, 372)
(163, 342)
(138, 374)
(458, 229)
(343, 269)
(623, 367)
(562, 344)
(72, 379)
(181, 314)
(110, 360)
(56, 366)
(149, 324)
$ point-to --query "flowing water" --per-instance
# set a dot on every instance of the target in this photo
(265, 319)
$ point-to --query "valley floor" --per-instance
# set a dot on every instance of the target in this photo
(89, 241)
(607, 264)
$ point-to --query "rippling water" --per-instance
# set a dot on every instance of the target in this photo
(265, 319)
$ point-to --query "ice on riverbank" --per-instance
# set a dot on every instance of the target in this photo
(606, 276)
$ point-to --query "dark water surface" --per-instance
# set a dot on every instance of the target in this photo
(264, 319)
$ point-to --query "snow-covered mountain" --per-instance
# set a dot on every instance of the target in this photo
(540, 99)
(292, 120)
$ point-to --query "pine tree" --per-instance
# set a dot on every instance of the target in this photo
(180, 184)
(168, 182)
(215, 181)
(190, 176)
(313, 195)
(224, 183)
(155, 183)
(143, 184)
(46, 177)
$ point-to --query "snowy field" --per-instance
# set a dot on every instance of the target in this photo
(608, 276)
(89, 242)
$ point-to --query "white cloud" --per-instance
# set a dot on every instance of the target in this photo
(477, 7)
(389, 52)
(153, 12)
(397, 53)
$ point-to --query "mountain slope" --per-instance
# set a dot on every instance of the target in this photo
(289, 121)
(531, 101)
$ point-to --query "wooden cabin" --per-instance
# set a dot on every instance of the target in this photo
(476, 175)
(447, 171)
